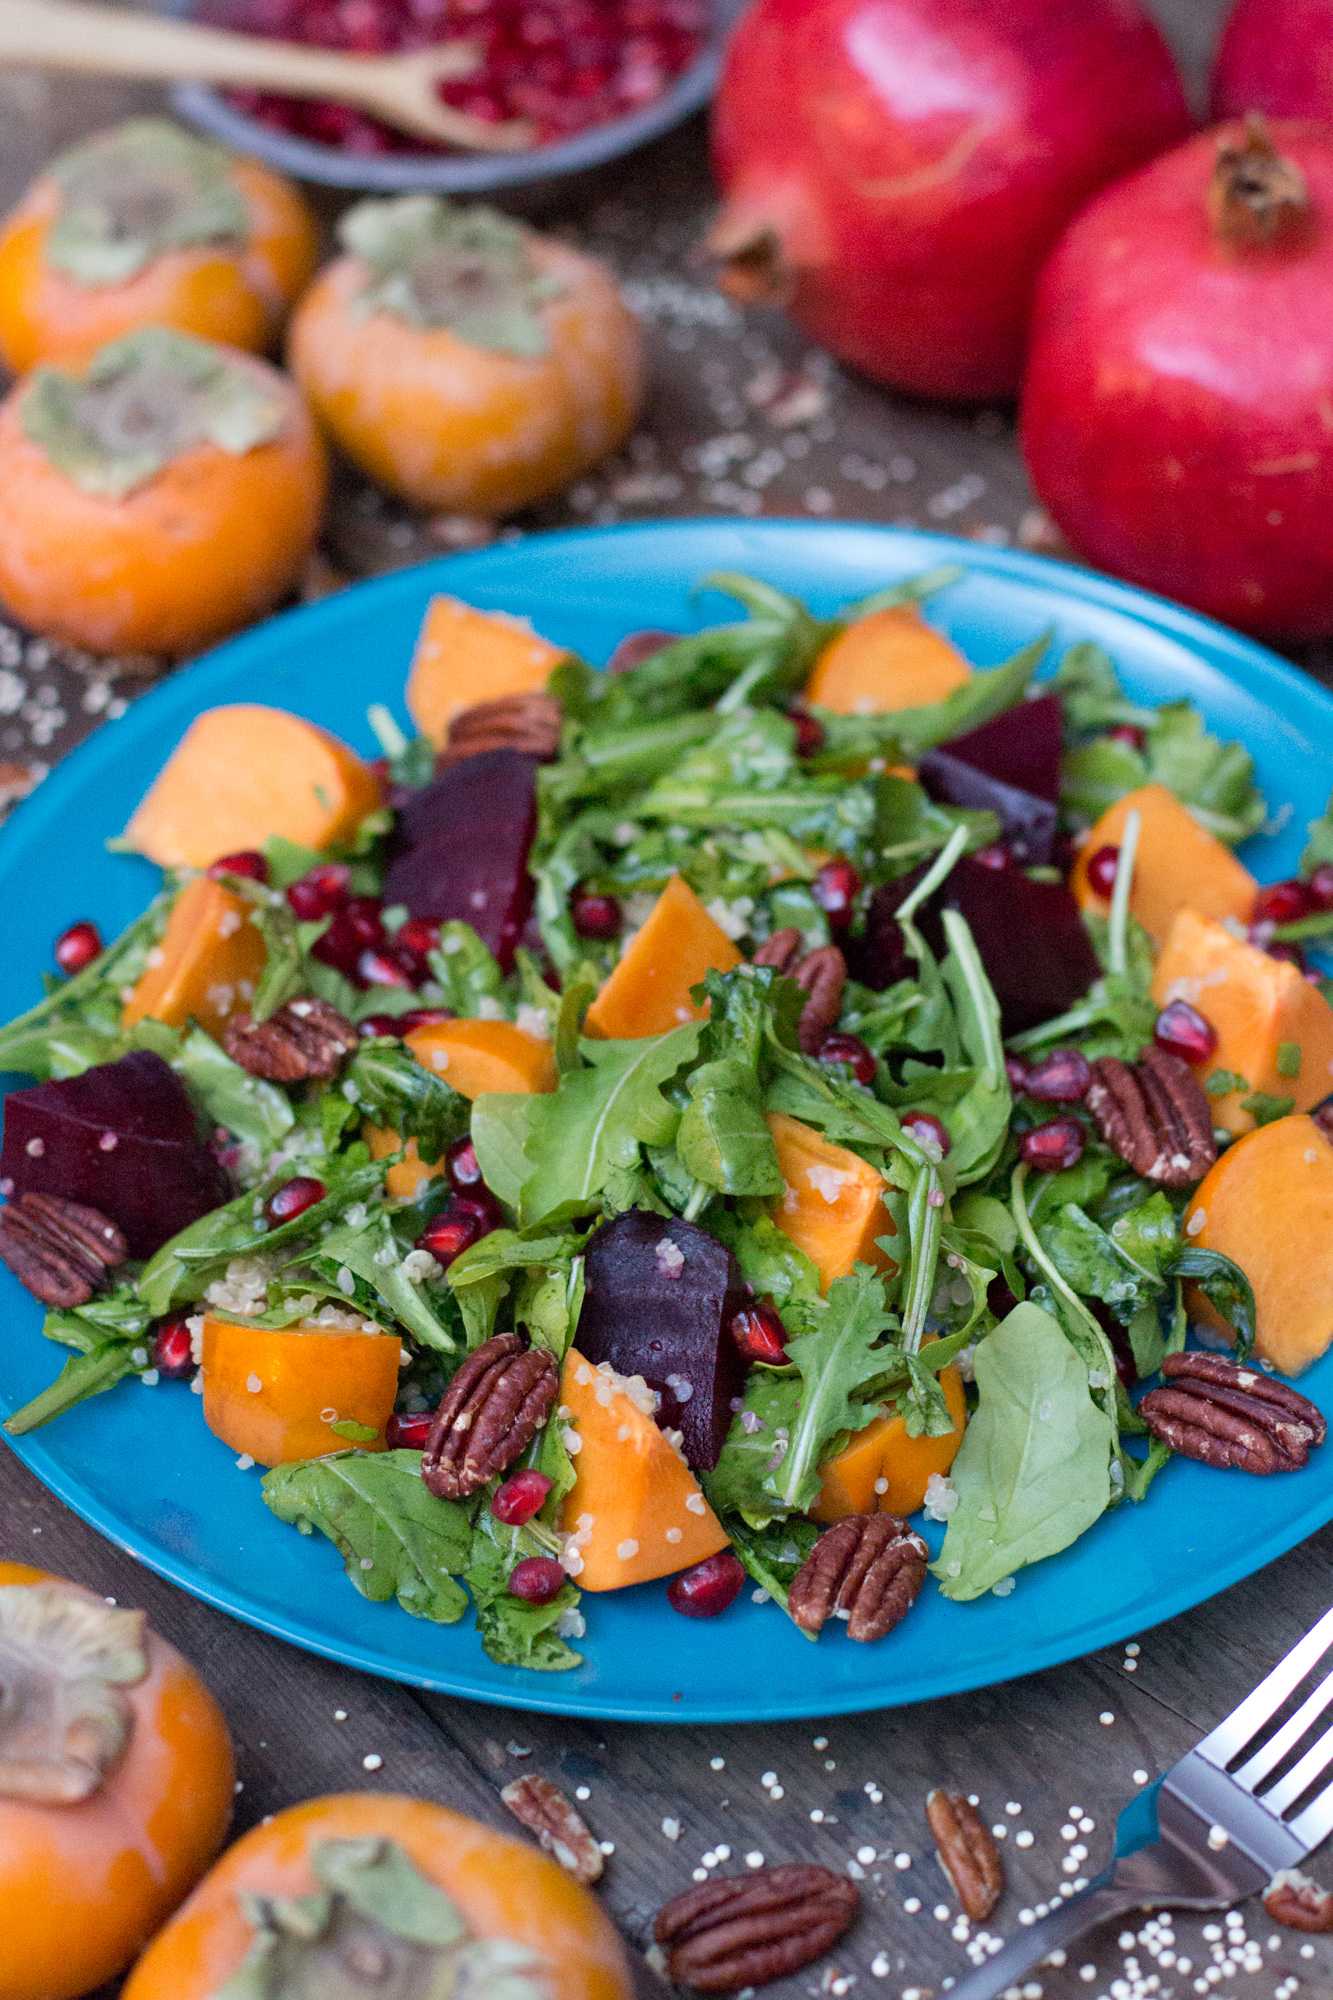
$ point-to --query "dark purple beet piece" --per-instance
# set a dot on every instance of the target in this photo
(1020, 748)
(459, 848)
(1027, 823)
(649, 1314)
(121, 1137)
(879, 957)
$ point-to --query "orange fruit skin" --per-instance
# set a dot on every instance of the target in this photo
(502, 1887)
(451, 426)
(298, 1375)
(83, 1887)
(207, 545)
(239, 294)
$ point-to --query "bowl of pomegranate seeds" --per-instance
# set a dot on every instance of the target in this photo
(595, 78)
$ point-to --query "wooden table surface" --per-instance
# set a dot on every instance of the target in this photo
(742, 419)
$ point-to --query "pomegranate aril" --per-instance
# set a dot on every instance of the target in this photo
(520, 1498)
(1050, 1147)
(409, 1430)
(594, 916)
(455, 1229)
(461, 1166)
(1182, 1031)
(293, 1198)
(418, 935)
(1062, 1077)
(424, 1017)
(929, 1132)
(1018, 1071)
(77, 947)
(172, 1352)
(835, 889)
(999, 1297)
(1125, 732)
(709, 1588)
(250, 863)
(381, 1024)
(320, 892)
(537, 1580)
(1281, 903)
(809, 732)
(851, 1052)
(1319, 888)
(383, 968)
(759, 1333)
(1101, 870)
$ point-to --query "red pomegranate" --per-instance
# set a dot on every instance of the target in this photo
(1276, 56)
(896, 170)
(1177, 414)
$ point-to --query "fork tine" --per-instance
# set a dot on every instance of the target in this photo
(1244, 1722)
(1270, 1756)
(1301, 1776)
(1316, 1822)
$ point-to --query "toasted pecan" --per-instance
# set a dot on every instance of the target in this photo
(306, 1038)
(490, 1413)
(867, 1568)
(968, 1855)
(745, 1930)
(529, 723)
(59, 1250)
(1155, 1114)
(560, 1829)
(1215, 1410)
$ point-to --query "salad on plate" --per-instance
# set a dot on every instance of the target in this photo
(670, 1124)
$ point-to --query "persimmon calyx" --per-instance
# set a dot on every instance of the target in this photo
(1256, 195)
(375, 1927)
(143, 401)
(129, 196)
(64, 1660)
(467, 270)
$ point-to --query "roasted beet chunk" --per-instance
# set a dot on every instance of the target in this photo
(1021, 747)
(459, 848)
(659, 1295)
(1027, 823)
(120, 1138)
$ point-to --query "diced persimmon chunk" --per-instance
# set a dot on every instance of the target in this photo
(208, 964)
(635, 1510)
(1273, 1027)
(242, 774)
(1268, 1205)
(406, 1180)
(884, 1471)
(833, 1207)
(1178, 864)
(889, 660)
(465, 656)
(649, 991)
(279, 1393)
(476, 1056)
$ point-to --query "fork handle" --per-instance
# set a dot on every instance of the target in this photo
(1093, 1905)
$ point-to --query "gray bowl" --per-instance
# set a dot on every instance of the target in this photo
(461, 173)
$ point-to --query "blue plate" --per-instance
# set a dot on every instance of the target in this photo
(140, 1466)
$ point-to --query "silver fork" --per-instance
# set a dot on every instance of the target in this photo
(1221, 1827)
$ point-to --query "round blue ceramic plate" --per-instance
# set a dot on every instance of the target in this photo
(140, 1466)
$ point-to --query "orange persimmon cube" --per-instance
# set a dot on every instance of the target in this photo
(833, 1206)
(476, 1056)
(888, 660)
(242, 774)
(649, 991)
(1273, 1028)
(635, 1510)
(406, 1180)
(465, 656)
(1177, 864)
(279, 1392)
(208, 964)
(884, 1471)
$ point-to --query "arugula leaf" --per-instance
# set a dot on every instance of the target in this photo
(841, 1356)
(254, 1110)
(1318, 842)
(514, 1633)
(1091, 696)
(1033, 1471)
(500, 1125)
(774, 1552)
(82, 1376)
(396, 1539)
(979, 1123)
(1225, 1286)
(369, 1250)
(286, 942)
(754, 1447)
(78, 1022)
(723, 1140)
(768, 1258)
(468, 977)
(119, 1312)
(597, 1120)
(393, 1089)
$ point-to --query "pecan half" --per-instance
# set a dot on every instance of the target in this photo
(636, 647)
(490, 1413)
(867, 1568)
(306, 1038)
(1154, 1113)
(968, 1855)
(745, 1930)
(529, 723)
(782, 949)
(59, 1250)
(545, 1811)
(1298, 1901)
(821, 976)
(1213, 1409)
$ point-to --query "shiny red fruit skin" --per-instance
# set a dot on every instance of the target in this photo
(1173, 440)
(321, 892)
(1052, 1146)
(520, 1498)
(851, 1051)
(537, 1579)
(371, 1025)
(597, 917)
(915, 161)
(1281, 903)
(709, 1588)
(249, 863)
(460, 1164)
(1101, 870)
(384, 968)
(1125, 732)
(419, 935)
(759, 1333)
(835, 889)
(1018, 1070)
(1319, 888)
(809, 733)
(455, 1229)
(927, 1130)
(77, 947)
(293, 1198)
(408, 1430)
(172, 1352)
(1062, 1077)
(1182, 1031)
(1273, 57)
(424, 1017)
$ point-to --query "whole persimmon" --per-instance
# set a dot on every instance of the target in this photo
(383, 1896)
(165, 496)
(149, 225)
(116, 1785)
(464, 361)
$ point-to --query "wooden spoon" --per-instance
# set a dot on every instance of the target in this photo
(111, 41)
